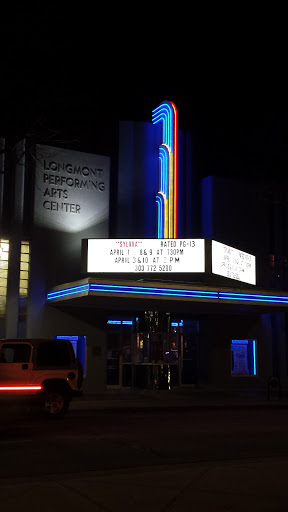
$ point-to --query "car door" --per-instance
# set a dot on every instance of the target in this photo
(15, 364)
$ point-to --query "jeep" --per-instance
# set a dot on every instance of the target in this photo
(43, 370)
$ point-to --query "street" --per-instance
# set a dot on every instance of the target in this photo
(151, 446)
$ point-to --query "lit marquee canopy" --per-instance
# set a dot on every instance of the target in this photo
(145, 255)
(165, 256)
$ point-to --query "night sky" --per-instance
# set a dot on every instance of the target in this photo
(62, 87)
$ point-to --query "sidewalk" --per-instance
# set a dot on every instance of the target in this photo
(184, 398)
(234, 485)
(206, 487)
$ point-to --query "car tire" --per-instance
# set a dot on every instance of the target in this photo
(55, 401)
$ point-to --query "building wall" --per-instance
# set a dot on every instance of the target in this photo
(79, 183)
(138, 183)
(251, 216)
(216, 333)
(232, 213)
(56, 236)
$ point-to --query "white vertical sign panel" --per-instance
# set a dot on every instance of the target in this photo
(233, 263)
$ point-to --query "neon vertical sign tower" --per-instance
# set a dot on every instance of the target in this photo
(166, 199)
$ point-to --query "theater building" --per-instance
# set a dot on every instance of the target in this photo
(159, 278)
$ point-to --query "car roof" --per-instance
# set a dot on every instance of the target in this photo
(32, 341)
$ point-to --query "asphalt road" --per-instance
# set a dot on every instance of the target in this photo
(122, 440)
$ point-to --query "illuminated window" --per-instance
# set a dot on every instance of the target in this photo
(243, 354)
(24, 269)
(4, 259)
(176, 325)
(119, 322)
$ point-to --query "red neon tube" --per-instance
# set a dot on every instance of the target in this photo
(21, 388)
(175, 167)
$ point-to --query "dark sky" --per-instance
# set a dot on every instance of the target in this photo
(65, 83)
(235, 131)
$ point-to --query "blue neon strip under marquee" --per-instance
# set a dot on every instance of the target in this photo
(143, 290)
(254, 297)
(166, 292)
(68, 291)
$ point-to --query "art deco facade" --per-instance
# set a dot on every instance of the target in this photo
(145, 329)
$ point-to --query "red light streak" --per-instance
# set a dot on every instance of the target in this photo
(21, 388)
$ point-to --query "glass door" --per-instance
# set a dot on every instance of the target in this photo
(119, 371)
(157, 359)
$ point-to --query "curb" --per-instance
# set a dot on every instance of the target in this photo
(162, 406)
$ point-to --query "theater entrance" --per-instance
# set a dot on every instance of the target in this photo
(151, 353)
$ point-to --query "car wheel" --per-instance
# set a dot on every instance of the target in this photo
(55, 402)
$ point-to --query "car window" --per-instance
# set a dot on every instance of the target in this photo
(15, 353)
(53, 354)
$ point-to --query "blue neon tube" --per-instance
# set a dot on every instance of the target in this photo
(170, 292)
(153, 291)
(254, 357)
(160, 204)
(68, 291)
(253, 297)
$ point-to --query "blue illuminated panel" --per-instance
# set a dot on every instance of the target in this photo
(243, 357)
(254, 356)
(79, 347)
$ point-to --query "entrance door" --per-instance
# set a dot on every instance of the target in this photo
(148, 359)
(15, 364)
(119, 354)
(190, 353)
(157, 360)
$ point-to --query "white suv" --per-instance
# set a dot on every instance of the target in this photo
(43, 369)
